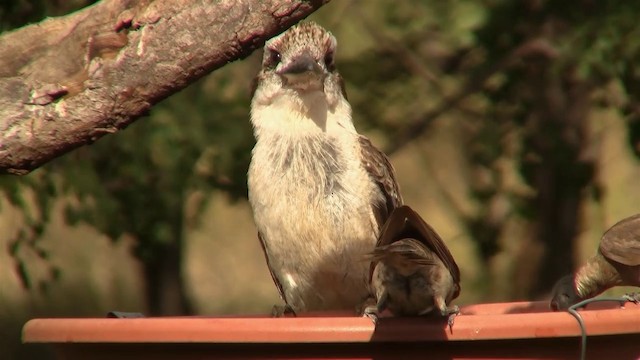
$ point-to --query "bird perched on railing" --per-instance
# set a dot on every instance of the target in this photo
(320, 192)
(617, 263)
(412, 270)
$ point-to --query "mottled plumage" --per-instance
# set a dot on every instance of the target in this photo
(412, 270)
(319, 191)
(617, 263)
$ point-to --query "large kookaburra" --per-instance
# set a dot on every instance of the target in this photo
(320, 192)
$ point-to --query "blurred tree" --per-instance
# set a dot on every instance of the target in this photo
(519, 79)
(41, 185)
(137, 183)
(550, 93)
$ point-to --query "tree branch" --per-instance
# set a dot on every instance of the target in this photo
(536, 47)
(68, 81)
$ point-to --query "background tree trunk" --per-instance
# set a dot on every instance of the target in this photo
(164, 286)
(559, 167)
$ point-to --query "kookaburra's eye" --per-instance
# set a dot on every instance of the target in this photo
(273, 58)
(328, 61)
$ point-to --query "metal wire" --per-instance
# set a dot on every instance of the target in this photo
(573, 310)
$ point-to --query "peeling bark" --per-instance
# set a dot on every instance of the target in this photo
(68, 81)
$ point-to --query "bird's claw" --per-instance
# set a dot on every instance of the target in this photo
(372, 313)
(631, 297)
(450, 321)
(371, 308)
(451, 312)
(282, 311)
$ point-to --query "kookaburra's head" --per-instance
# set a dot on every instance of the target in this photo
(298, 81)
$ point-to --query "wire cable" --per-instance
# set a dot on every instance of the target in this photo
(573, 310)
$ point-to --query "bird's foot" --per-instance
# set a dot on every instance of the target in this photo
(633, 297)
(369, 308)
(451, 312)
(372, 313)
(282, 311)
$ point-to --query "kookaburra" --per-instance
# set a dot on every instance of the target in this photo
(320, 192)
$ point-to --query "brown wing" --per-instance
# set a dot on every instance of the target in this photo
(390, 232)
(434, 242)
(381, 171)
(621, 243)
(403, 223)
(273, 276)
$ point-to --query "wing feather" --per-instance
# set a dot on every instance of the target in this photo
(382, 173)
(273, 275)
(621, 243)
(403, 223)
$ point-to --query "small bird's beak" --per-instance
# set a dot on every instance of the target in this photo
(303, 72)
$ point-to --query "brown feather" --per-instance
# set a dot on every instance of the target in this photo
(403, 223)
(342, 86)
(273, 275)
(621, 243)
(381, 171)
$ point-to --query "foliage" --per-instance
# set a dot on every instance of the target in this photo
(36, 213)
(519, 79)
(137, 182)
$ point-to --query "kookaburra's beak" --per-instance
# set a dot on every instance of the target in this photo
(302, 72)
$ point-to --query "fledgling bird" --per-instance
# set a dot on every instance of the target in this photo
(617, 263)
(320, 192)
(412, 270)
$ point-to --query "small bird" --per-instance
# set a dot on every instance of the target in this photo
(412, 271)
(617, 263)
(320, 192)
